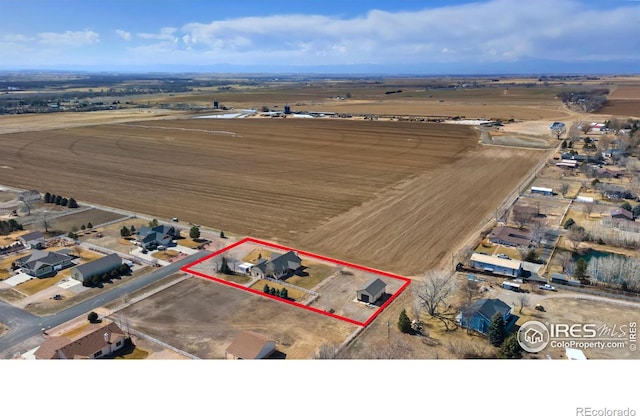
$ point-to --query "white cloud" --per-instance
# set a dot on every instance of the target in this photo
(16, 38)
(69, 38)
(123, 34)
(498, 30)
(166, 33)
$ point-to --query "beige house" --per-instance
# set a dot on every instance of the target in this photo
(249, 345)
(99, 341)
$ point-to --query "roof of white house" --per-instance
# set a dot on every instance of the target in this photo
(496, 261)
(575, 354)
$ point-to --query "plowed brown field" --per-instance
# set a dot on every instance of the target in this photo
(387, 194)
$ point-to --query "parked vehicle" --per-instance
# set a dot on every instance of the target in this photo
(540, 308)
(503, 256)
(547, 287)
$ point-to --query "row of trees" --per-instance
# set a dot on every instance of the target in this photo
(60, 200)
(114, 273)
(281, 293)
(7, 227)
(127, 231)
(74, 230)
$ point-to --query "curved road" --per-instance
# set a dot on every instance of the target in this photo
(25, 328)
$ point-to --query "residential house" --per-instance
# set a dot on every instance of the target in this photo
(44, 263)
(477, 316)
(623, 214)
(372, 291)
(85, 272)
(511, 237)
(249, 345)
(101, 341)
(497, 265)
(152, 238)
(34, 239)
(278, 266)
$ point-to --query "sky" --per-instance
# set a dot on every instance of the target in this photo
(348, 36)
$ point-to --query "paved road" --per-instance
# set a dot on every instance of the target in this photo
(25, 328)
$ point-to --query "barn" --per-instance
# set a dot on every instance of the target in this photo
(372, 291)
(506, 267)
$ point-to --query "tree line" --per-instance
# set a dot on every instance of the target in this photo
(60, 200)
(7, 227)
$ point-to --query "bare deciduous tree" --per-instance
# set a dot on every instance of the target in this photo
(522, 216)
(564, 188)
(433, 293)
(538, 229)
(588, 208)
(523, 301)
(327, 352)
(575, 236)
(396, 348)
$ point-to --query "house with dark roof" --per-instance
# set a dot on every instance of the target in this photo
(42, 263)
(622, 214)
(277, 267)
(100, 341)
(85, 272)
(372, 291)
(34, 239)
(477, 316)
(249, 345)
(152, 238)
(511, 237)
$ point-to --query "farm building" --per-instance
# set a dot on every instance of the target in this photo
(496, 265)
(85, 272)
(541, 190)
(563, 279)
(511, 237)
(278, 266)
(568, 163)
(33, 239)
(249, 345)
(43, 263)
(477, 317)
(580, 198)
(372, 291)
(622, 214)
(100, 342)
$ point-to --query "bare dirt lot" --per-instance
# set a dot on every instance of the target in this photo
(202, 317)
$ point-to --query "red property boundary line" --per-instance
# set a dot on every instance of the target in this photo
(187, 269)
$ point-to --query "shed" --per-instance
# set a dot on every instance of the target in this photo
(372, 291)
(85, 272)
(541, 190)
(249, 345)
(34, 239)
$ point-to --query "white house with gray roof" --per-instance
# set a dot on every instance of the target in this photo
(34, 239)
(372, 291)
(85, 272)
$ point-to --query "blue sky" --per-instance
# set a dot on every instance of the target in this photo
(408, 36)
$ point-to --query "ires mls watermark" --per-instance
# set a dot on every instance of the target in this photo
(535, 336)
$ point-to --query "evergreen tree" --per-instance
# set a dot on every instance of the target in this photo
(272, 291)
(404, 323)
(124, 231)
(132, 229)
(58, 200)
(266, 289)
(497, 331)
(92, 317)
(580, 271)
(284, 293)
(626, 205)
(83, 227)
(73, 203)
(194, 233)
(64, 202)
(510, 348)
(47, 198)
(222, 234)
(89, 225)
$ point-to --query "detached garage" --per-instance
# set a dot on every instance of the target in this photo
(372, 291)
